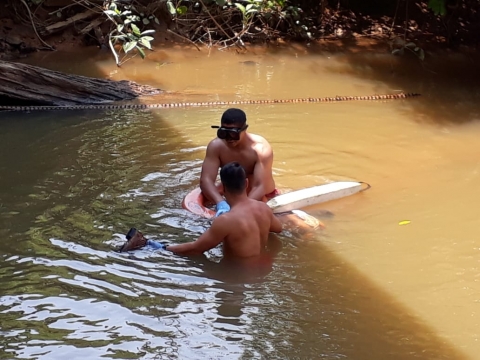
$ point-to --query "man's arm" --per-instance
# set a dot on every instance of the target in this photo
(208, 240)
(264, 163)
(210, 166)
(257, 190)
(275, 224)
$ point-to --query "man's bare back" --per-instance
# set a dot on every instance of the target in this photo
(246, 228)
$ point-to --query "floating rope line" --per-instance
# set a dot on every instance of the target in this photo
(209, 103)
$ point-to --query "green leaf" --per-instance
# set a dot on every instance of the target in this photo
(141, 52)
(135, 29)
(181, 10)
(437, 6)
(171, 8)
(146, 43)
(145, 21)
(148, 38)
(120, 27)
(110, 12)
(221, 2)
(157, 21)
(240, 7)
(129, 46)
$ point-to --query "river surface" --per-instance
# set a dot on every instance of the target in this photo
(394, 275)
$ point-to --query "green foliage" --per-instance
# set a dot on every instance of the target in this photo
(437, 6)
(272, 16)
(272, 9)
(294, 15)
(127, 31)
(178, 9)
(248, 12)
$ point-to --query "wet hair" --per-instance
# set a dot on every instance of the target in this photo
(234, 116)
(233, 177)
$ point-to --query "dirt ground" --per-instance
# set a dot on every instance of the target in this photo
(459, 31)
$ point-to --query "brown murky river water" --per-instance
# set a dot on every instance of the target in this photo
(73, 182)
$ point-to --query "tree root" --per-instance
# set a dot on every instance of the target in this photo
(34, 28)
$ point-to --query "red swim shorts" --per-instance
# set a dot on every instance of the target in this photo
(274, 193)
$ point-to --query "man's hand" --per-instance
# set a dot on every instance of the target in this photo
(157, 245)
(222, 208)
(209, 173)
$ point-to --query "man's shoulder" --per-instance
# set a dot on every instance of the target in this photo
(215, 145)
(260, 144)
(225, 221)
(255, 205)
(215, 142)
(258, 138)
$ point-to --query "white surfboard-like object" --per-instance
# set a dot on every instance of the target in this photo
(314, 195)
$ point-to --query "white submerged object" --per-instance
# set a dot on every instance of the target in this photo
(314, 195)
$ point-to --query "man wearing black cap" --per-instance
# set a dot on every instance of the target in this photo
(251, 151)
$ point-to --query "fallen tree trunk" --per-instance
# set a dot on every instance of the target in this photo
(27, 84)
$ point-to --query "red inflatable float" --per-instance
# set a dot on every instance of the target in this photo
(195, 203)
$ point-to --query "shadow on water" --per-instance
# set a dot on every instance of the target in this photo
(347, 314)
(448, 81)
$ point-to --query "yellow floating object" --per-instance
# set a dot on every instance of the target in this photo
(404, 222)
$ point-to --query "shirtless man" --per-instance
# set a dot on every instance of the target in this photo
(251, 151)
(243, 230)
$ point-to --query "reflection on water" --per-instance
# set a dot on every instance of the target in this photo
(364, 288)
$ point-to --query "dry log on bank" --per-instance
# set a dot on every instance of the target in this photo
(27, 84)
